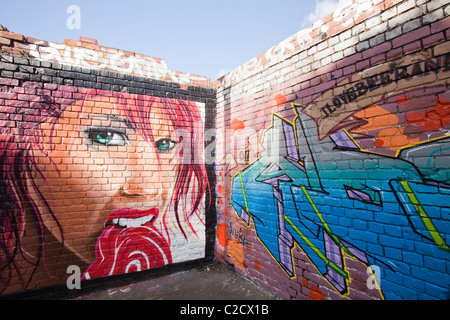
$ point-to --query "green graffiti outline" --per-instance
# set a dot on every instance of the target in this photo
(327, 261)
(325, 224)
(434, 233)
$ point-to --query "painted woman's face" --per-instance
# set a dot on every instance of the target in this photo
(103, 178)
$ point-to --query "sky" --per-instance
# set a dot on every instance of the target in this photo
(203, 37)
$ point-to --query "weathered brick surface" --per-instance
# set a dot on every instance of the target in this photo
(87, 53)
(375, 95)
(119, 145)
(329, 160)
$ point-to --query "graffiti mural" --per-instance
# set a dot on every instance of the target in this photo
(360, 173)
(352, 180)
(380, 214)
(109, 181)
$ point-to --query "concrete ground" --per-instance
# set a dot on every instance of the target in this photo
(213, 282)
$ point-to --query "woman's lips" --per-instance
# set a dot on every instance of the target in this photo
(128, 218)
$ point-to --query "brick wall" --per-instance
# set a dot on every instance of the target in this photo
(102, 166)
(327, 155)
(332, 157)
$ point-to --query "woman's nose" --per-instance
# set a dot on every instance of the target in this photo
(133, 187)
(140, 165)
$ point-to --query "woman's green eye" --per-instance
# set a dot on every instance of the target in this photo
(107, 137)
(165, 145)
(104, 138)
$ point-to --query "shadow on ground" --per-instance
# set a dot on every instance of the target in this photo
(212, 282)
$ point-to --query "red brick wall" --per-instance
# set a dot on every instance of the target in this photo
(102, 169)
(333, 157)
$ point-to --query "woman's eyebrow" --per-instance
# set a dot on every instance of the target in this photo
(113, 118)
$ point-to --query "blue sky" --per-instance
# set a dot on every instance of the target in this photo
(205, 37)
